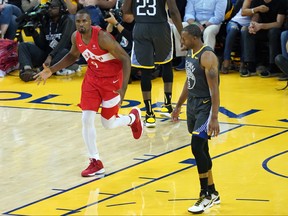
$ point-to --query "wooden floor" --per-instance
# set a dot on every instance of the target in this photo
(42, 153)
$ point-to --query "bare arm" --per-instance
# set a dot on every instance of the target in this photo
(175, 15)
(106, 42)
(66, 61)
(71, 6)
(210, 63)
(106, 4)
(181, 101)
(247, 11)
(127, 7)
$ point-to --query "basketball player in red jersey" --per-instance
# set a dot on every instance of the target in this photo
(105, 82)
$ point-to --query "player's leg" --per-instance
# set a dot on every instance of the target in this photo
(142, 57)
(90, 103)
(197, 126)
(89, 135)
(146, 87)
(167, 76)
(205, 201)
(163, 56)
(110, 108)
(211, 186)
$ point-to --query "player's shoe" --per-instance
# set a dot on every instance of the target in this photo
(95, 168)
(150, 121)
(65, 72)
(203, 203)
(215, 198)
(137, 125)
(166, 110)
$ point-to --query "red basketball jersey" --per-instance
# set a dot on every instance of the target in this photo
(100, 63)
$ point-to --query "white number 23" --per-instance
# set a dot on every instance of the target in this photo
(146, 7)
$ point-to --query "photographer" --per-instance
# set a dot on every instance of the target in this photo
(121, 28)
(51, 43)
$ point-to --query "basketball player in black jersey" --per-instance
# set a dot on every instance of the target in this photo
(201, 90)
(152, 44)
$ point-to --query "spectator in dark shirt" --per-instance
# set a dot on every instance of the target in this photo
(264, 27)
(50, 45)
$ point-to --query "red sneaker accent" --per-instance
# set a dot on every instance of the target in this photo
(137, 125)
(95, 168)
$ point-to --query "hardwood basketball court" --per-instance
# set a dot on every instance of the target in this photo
(42, 152)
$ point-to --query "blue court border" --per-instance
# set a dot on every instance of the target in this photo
(162, 177)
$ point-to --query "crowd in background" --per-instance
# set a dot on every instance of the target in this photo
(249, 36)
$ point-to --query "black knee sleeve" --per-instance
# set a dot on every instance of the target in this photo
(167, 73)
(206, 150)
(146, 77)
(203, 160)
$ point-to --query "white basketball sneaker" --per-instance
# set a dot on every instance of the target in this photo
(215, 198)
(203, 203)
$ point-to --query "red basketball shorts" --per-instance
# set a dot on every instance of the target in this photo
(101, 90)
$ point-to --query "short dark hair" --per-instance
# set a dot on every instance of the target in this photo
(193, 30)
(83, 11)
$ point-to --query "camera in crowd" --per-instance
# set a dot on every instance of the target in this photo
(32, 18)
(117, 13)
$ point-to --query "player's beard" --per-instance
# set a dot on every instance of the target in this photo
(82, 30)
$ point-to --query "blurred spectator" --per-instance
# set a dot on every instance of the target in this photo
(121, 28)
(264, 27)
(233, 30)
(281, 60)
(26, 4)
(50, 45)
(8, 24)
(208, 15)
(247, 11)
(17, 3)
(181, 4)
(93, 7)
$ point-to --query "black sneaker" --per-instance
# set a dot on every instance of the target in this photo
(166, 110)
(244, 72)
(27, 75)
(150, 121)
(283, 77)
(267, 73)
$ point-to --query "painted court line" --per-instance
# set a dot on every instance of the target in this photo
(152, 180)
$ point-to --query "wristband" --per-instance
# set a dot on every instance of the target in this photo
(252, 10)
(116, 25)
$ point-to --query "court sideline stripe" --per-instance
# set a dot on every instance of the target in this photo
(175, 172)
(128, 190)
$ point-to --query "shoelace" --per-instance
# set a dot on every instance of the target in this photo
(91, 164)
(200, 200)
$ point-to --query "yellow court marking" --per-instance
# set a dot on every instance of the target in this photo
(166, 183)
(249, 156)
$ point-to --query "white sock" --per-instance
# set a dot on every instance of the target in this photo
(89, 133)
(115, 122)
(133, 118)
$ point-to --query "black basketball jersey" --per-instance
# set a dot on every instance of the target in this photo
(149, 11)
(196, 78)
